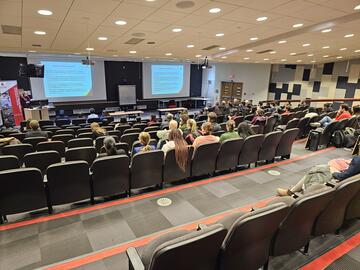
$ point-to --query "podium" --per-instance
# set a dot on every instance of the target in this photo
(36, 114)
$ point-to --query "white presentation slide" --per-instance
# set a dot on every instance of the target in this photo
(166, 80)
(69, 80)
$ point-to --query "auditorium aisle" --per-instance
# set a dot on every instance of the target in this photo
(94, 237)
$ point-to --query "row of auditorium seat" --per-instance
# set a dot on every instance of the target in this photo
(247, 241)
(70, 181)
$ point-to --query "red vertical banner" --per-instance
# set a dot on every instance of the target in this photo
(10, 102)
(16, 105)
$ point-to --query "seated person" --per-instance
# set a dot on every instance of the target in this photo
(191, 132)
(338, 169)
(230, 133)
(92, 114)
(35, 130)
(144, 139)
(244, 130)
(327, 108)
(165, 124)
(177, 142)
(212, 118)
(123, 122)
(163, 134)
(61, 115)
(8, 127)
(287, 110)
(153, 120)
(206, 136)
(311, 113)
(97, 131)
(343, 113)
(110, 148)
(259, 117)
(183, 121)
(203, 112)
(104, 115)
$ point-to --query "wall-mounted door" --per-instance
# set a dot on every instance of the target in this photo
(231, 90)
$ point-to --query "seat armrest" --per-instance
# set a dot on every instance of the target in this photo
(135, 262)
(201, 227)
(296, 195)
(330, 184)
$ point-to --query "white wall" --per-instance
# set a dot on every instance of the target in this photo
(255, 78)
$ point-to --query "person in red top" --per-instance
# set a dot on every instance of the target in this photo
(343, 113)
(287, 110)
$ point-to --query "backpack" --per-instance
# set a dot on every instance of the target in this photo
(338, 139)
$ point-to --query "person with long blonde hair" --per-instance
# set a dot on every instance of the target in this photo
(191, 133)
(97, 131)
(144, 138)
(177, 142)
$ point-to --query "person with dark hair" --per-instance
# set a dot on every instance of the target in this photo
(230, 133)
(153, 120)
(244, 130)
(110, 148)
(35, 130)
(212, 119)
(177, 142)
(287, 110)
(311, 112)
(61, 115)
(327, 108)
(165, 124)
(184, 117)
(343, 113)
(8, 127)
(206, 137)
(92, 114)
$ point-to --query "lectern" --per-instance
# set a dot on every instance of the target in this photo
(36, 114)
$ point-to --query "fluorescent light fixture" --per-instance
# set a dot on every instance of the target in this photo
(121, 22)
(272, 52)
(115, 55)
(348, 35)
(102, 38)
(326, 56)
(326, 47)
(249, 50)
(282, 41)
(357, 7)
(168, 54)
(339, 57)
(198, 55)
(357, 51)
(40, 33)
(266, 59)
(246, 58)
(32, 51)
(313, 61)
(132, 52)
(214, 10)
(89, 49)
(45, 12)
(283, 60)
(311, 54)
(222, 49)
(306, 44)
(343, 49)
(254, 38)
(223, 57)
(220, 34)
(190, 46)
(261, 19)
(326, 30)
(177, 30)
(297, 25)
(298, 61)
(293, 53)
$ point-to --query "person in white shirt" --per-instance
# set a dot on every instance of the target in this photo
(92, 114)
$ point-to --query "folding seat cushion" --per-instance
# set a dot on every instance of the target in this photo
(8, 162)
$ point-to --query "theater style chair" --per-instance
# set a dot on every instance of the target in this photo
(44, 123)
(353, 209)
(8, 162)
(87, 154)
(41, 160)
(86, 135)
(18, 150)
(122, 128)
(140, 125)
(65, 131)
(204, 159)
(295, 231)
(180, 250)
(331, 219)
(250, 151)
(21, 190)
(62, 122)
(148, 129)
(325, 135)
(129, 138)
(35, 140)
(146, 169)
(18, 135)
(269, 146)
(68, 182)
(83, 130)
(78, 121)
(302, 126)
(80, 142)
(57, 146)
(65, 138)
(247, 244)
(92, 120)
(270, 124)
(110, 175)
(228, 155)
(132, 130)
(286, 142)
(172, 171)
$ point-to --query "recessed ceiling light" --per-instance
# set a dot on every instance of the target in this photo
(343, 49)
(223, 57)
(357, 51)
(298, 25)
(132, 52)
(326, 30)
(177, 30)
(348, 35)
(339, 57)
(45, 12)
(32, 51)
(168, 54)
(249, 50)
(222, 48)
(283, 60)
(254, 38)
(261, 19)
(306, 44)
(220, 34)
(150, 0)
(326, 47)
(115, 55)
(89, 49)
(102, 38)
(41, 33)
(298, 61)
(325, 56)
(198, 55)
(120, 22)
(246, 58)
(147, 57)
(313, 61)
(77, 53)
(214, 10)
(282, 41)
(293, 53)
(190, 46)
(311, 54)
(272, 52)
(357, 7)
(266, 59)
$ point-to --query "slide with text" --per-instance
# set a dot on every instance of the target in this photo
(167, 79)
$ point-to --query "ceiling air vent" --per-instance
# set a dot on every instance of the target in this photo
(134, 41)
(36, 45)
(11, 30)
(266, 51)
(210, 47)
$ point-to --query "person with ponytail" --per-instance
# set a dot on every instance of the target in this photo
(110, 148)
(145, 146)
(97, 131)
(177, 142)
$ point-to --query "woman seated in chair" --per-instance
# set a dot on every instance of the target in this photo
(144, 138)
(244, 130)
(206, 129)
(177, 142)
(230, 133)
(338, 169)
(110, 148)
(259, 117)
(35, 130)
(191, 132)
(97, 131)
(153, 120)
